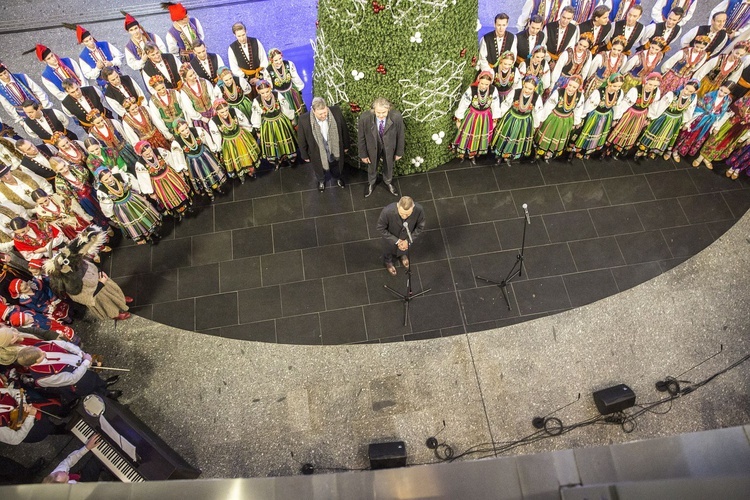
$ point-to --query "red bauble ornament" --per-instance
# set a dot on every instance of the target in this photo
(380, 69)
(474, 61)
(354, 107)
(462, 53)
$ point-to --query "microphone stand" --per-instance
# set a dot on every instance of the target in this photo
(409, 295)
(517, 269)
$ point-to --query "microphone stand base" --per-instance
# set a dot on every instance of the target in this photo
(406, 298)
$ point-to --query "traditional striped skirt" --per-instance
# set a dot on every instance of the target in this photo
(514, 136)
(277, 138)
(137, 218)
(626, 132)
(474, 132)
(240, 153)
(661, 134)
(294, 98)
(553, 135)
(172, 191)
(206, 173)
(593, 134)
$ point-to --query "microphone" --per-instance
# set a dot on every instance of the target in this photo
(526, 211)
(408, 233)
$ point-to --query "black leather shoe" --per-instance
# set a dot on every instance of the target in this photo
(114, 394)
(368, 190)
(340, 183)
(321, 186)
(391, 189)
(112, 380)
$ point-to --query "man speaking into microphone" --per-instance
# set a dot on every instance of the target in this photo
(400, 224)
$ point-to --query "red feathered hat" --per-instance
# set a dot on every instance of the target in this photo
(36, 263)
(176, 11)
(81, 33)
(17, 319)
(15, 288)
(42, 52)
(130, 21)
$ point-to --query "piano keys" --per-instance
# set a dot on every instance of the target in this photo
(153, 459)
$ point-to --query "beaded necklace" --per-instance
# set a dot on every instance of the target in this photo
(282, 77)
(569, 101)
(533, 69)
(231, 94)
(612, 68)
(268, 105)
(610, 99)
(228, 123)
(524, 103)
(76, 157)
(117, 191)
(191, 142)
(482, 97)
(504, 81)
(155, 164)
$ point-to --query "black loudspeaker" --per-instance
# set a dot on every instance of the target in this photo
(387, 455)
(614, 399)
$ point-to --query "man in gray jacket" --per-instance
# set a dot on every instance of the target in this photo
(323, 139)
(380, 134)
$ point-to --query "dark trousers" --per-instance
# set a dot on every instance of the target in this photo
(333, 172)
(390, 251)
(372, 168)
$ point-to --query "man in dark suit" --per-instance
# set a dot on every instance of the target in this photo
(380, 134)
(395, 237)
(599, 26)
(323, 139)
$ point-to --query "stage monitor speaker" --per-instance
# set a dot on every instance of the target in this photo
(614, 399)
(387, 455)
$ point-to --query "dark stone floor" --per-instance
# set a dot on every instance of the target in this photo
(277, 261)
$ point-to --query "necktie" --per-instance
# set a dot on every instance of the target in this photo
(381, 127)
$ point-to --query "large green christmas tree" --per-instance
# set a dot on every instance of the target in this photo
(418, 54)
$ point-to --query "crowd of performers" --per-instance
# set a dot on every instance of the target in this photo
(571, 85)
(580, 78)
(146, 155)
(199, 125)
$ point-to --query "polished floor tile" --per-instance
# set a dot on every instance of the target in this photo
(274, 260)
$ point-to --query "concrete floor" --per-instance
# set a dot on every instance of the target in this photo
(238, 409)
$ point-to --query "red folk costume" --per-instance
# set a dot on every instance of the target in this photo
(62, 213)
(38, 243)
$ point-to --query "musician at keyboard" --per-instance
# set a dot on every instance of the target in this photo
(88, 473)
(62, 369)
